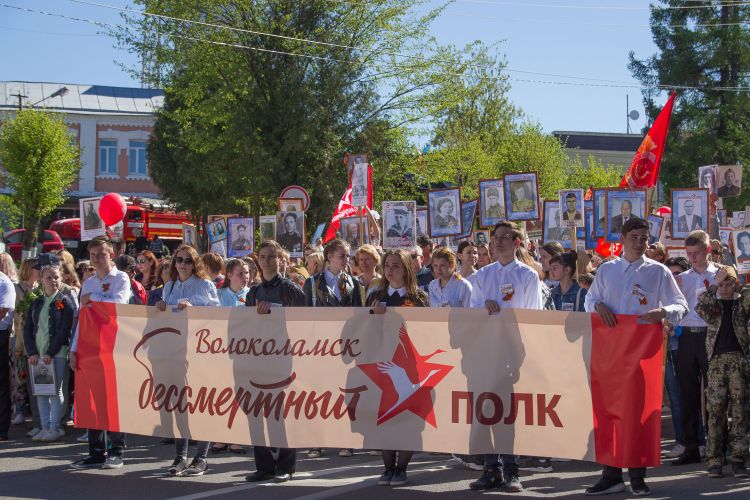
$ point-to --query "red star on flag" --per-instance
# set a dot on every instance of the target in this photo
(406, 381)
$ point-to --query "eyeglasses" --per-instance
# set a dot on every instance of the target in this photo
(90, 269)
(502, 237)
(141, 261)
(183, 260)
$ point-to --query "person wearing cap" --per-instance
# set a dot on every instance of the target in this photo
(423, 273)
(493, 209)
(726, 312)
(334, 287)
(401, 227)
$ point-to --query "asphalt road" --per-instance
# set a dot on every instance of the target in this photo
(33, 470)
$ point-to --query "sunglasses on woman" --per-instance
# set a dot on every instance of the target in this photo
(183, 260)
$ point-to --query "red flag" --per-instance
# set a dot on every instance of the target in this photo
(345, 209)
(644, 169)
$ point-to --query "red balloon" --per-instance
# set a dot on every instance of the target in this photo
(663, 210)
(112, 208)
(606, 248)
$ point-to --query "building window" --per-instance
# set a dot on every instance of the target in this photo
(137, 155)
(107, 157)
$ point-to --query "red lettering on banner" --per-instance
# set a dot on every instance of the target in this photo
(456, 397)
(515, 401)
(497, 412)
(261, 347)
(544, 410)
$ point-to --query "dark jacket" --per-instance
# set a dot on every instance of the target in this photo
(709, 308)
(420, 300)
(60, 325)
(325, 297)
(278, 291)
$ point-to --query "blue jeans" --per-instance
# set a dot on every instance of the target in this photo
(509, 463)
(673, 392)
(51, 407)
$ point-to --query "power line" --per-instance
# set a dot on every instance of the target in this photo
(612, 84)
(502, 3)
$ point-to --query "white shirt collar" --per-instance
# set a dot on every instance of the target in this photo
(401, 291)
(329, 275)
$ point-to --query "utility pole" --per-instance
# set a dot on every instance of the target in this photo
(20, 99)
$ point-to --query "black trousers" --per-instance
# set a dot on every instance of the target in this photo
(265, 461)
(4, 382)
(616, 472)
(692, 366)
(98, 443)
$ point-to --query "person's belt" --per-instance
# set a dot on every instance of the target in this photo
(694, 329)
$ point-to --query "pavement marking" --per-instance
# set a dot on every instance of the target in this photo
(302, 479)
(357, 483)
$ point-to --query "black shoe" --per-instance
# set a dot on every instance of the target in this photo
(739, 470)
(490, 479)
(282, 478)
(385, 478)
(638, 485)
(178, 467)
(715, 471)
(687, 459)
(258, 476)
(513, 484)
(537, 465)
(197, 467)
(605, 486)
(89, 463)
(113, 462)
(399, 477)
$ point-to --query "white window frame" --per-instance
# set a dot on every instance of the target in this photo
(140, 171)
(111, 170)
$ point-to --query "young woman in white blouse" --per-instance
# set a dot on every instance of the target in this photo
(448, 289)
(189, 286)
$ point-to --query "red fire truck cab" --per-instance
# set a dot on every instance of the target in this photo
(140, 220)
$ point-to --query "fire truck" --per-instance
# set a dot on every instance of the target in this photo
(141, 220)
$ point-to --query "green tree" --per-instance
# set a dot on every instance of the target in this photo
(270, 111)
(40, 163)
(707, 48)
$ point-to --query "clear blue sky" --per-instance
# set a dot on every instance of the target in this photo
(590, 40)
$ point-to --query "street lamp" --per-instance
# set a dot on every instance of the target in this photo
(57, 93)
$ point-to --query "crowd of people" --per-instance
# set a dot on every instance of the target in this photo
(699, 300)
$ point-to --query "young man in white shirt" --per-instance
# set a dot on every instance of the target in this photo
(506, 283)
(633, 284)
(692, 360)
(106, 285)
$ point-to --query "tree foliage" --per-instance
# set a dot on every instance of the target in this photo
(40, 163)
(707, 48)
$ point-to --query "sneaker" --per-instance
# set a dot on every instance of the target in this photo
(715, 471)
(537, 465)
(282, 478)
(399, 477)
(605, 486)
(197, 467)
(41, 435)
(490, 478)
(514, 484)
(61, 431)
(113, 462)
(83, 438)
(687, 460)
(18, 419)
(89, 463)
(33, 432)
(346, 452)
(52, 435)
(178, 467)
(739, 470)
(639, 487)
(676, 451)
(314, 453)
(385, 478)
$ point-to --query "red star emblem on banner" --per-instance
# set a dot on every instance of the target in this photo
(406, 381)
